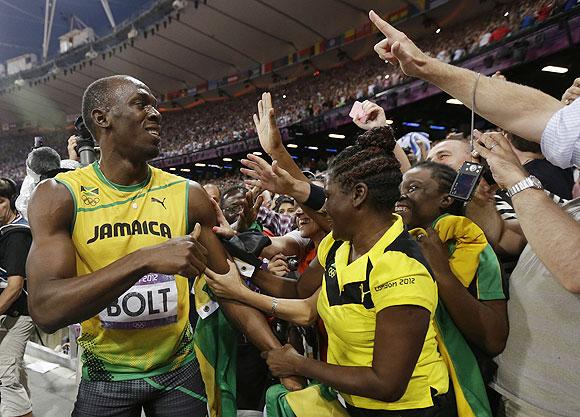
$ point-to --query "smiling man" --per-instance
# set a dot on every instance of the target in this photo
(111, 250)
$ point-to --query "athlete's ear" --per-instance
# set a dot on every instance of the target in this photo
(101, 117)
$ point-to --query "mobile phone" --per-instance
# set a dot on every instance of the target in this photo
(466, 181)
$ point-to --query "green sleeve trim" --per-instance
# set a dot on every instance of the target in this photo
(489, 277)
(68, 187)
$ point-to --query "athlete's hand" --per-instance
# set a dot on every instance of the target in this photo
(265, 122)
(284, 361)
(375, 116)
(184, 255)
(398, 49)
(228, 285)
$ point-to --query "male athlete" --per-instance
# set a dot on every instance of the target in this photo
(111, 250)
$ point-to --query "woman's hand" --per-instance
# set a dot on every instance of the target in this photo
(435, 252)
(284, 361)
(265, 122)
(278, 265)
(266, 176)
(375, 116)
(229, 285)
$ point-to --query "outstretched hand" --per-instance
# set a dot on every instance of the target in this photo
(265, 122)
(224, 229)
(250, 208)
(266, 176)
(228, 285)
(375, 116)
(397, 48)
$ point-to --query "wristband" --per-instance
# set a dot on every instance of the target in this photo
(316, 199)
(274, 306)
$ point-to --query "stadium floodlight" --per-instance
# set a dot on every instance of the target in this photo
(179, 4)
(438, 31)
(258, 153)
(19, 82)
(312, 148)
(555, 69)
(336, 136)
(454, 101)
(172, 169)
(185, 170)
(200, 164)
(292, 145)
(506, 14)
(227, 159)
(390, 122)
(133, 33)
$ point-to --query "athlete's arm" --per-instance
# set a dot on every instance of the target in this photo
(399, 336)
(249, 320)
(55, 298)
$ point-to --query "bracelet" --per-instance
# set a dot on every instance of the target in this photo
(274, 306)
(316, 199)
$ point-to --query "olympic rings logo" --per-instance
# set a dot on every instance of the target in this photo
(90, 201)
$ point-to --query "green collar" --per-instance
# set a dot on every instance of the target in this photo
(119, 187)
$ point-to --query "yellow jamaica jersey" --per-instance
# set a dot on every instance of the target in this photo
(146, 331)
(393, 272)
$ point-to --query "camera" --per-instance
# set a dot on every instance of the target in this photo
(38, 142)
(85, 148)
(467, 179)
(293, 263)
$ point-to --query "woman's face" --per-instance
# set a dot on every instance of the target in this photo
(339, 208)
(420, 202)
(307, 227)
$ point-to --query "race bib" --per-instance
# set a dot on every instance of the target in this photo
(151, 302)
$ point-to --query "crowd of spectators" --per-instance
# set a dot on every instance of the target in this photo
(228, 120)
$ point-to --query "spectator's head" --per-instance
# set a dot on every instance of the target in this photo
(213, 191)
(522, 145)
(425, 194)
(120, 112)
(43, 160)
(232, 202)
(8, 194)
(285, 205)
(363, 180)
(451, 152)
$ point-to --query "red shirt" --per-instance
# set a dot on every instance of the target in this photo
(499, 33)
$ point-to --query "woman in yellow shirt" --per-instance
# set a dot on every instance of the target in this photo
(377, 298)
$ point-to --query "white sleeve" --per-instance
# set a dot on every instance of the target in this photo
(561, 138)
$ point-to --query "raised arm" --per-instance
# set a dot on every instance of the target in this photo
(57, 296)
(518, 109)
(553, 234)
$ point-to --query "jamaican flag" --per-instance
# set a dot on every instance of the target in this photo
(215, 342)
(471, 257)
(314, 400)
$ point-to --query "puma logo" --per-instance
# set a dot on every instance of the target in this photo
(156, 200)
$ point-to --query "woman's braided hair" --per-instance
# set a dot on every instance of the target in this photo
(370, 161)
(445, 176)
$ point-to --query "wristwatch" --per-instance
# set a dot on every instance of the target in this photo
(528, 182)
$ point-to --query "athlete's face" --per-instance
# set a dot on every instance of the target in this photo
(135, 121)
(421, 200)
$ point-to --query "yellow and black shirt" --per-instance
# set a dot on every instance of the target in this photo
(393, 272)
(146, 331)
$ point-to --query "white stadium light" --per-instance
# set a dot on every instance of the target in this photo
(454, 101)
(336, 136)
(292, 145)
(258, 153)
(390, 122)
(227, 159)
(200, 164)
(185, 170)
(555, 69)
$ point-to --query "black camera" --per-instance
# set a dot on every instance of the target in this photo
(293, 263)
(38, 142)
(467, 179)
(85, 147)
